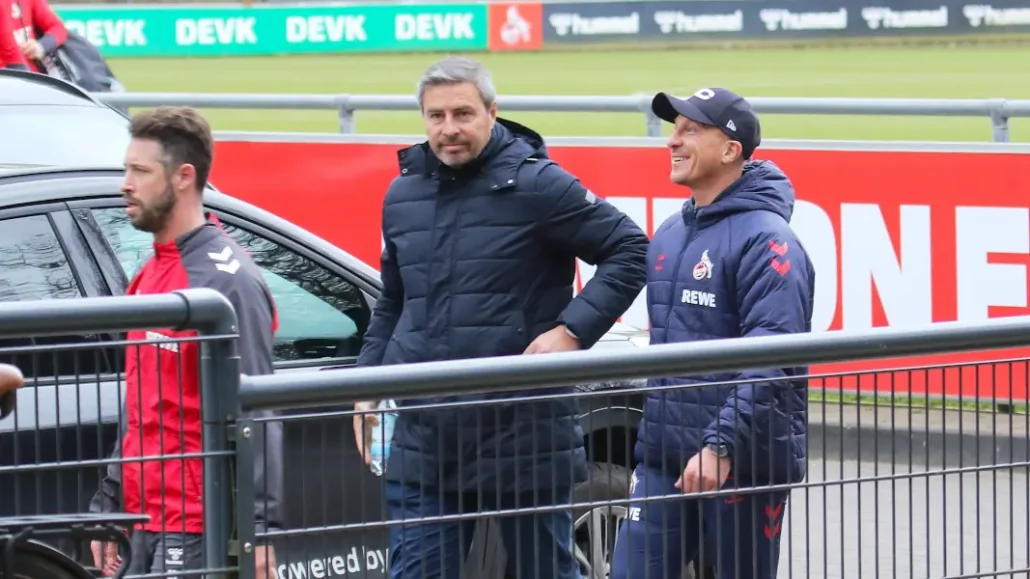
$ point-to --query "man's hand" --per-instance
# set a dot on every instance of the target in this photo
(264, 562)
(105, 557)
(32, 49)
(363, 425)
(10, 378)
(556, 340)
(705, 472)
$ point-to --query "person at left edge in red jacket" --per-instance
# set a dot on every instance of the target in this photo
(10, 51)
(37, 30)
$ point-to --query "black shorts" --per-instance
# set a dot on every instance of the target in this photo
(166, 552)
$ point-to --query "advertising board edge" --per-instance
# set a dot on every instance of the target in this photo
(186, 5)
(770, 144)
(547, 39)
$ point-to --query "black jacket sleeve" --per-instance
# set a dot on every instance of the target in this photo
(7, 400)
(759, 411)
(596, 232)
(246, 290)
(388, 307)
(252, 302)
(108, 498)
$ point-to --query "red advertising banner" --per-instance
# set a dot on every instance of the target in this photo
(897, 238)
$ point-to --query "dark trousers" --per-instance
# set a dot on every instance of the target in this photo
(537, 546)
(739, 535)
(166, 553)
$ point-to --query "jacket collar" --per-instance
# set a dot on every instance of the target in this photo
(500, 160)
(183, 242)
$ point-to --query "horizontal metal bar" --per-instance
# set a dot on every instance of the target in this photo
(878, 106)
(578, 103)
(200, 309)
(223, 100)
(315, 389)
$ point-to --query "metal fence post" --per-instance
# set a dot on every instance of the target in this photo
(999, 120)
(654, 124)
(219, 385)
(245, 457)
(345, 114)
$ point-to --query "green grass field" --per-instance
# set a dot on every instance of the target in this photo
(940, 72)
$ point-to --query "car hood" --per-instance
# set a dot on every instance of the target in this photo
(619, 336)
(621, 333)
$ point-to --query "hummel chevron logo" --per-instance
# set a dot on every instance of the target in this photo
(222, 261)
(223, 256)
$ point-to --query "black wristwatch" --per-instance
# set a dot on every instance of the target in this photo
(720, 450)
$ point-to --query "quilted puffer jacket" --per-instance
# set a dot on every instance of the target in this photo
(732, 269)
(479, 261)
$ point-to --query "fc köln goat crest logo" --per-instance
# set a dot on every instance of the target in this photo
(703, 269)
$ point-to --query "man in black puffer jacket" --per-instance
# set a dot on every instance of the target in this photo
(481, 233)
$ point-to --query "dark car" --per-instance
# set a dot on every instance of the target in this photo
(64, 234)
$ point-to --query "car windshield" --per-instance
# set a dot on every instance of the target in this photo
(62, 135)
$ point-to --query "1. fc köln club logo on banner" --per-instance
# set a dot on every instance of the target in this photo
(516, 26)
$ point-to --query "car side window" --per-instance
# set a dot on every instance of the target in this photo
(321, 314)
(131, 246)
(33, 266)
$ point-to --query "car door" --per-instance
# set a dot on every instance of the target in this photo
(323, 316)
(68, 409)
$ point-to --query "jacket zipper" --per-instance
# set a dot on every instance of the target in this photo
(431, 296)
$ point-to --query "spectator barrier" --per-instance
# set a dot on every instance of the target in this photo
(928, 490)
(265, 29)
(56, 446)
(998, 111)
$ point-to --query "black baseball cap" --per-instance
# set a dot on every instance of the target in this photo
(717, 107)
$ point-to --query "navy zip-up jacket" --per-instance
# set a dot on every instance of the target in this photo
(733, 269)
(478, 262)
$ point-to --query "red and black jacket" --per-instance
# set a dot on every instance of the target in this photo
(34, 19)
(10, 51)
(162, 396)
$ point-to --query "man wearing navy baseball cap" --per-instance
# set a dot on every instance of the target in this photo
(716, 108)
(727, 266)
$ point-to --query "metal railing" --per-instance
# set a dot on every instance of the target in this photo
(934, 490)
(56, 445)
(998, 110)
(998, 443)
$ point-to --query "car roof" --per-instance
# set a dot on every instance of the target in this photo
(15, 173)
(30, 88)
(16, 167)
(107, 181)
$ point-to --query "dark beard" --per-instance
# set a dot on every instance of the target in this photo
(153, 217)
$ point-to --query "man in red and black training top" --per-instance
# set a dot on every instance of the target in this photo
(166, 169)
(37, 30)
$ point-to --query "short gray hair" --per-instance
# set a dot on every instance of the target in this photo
(456, 70)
